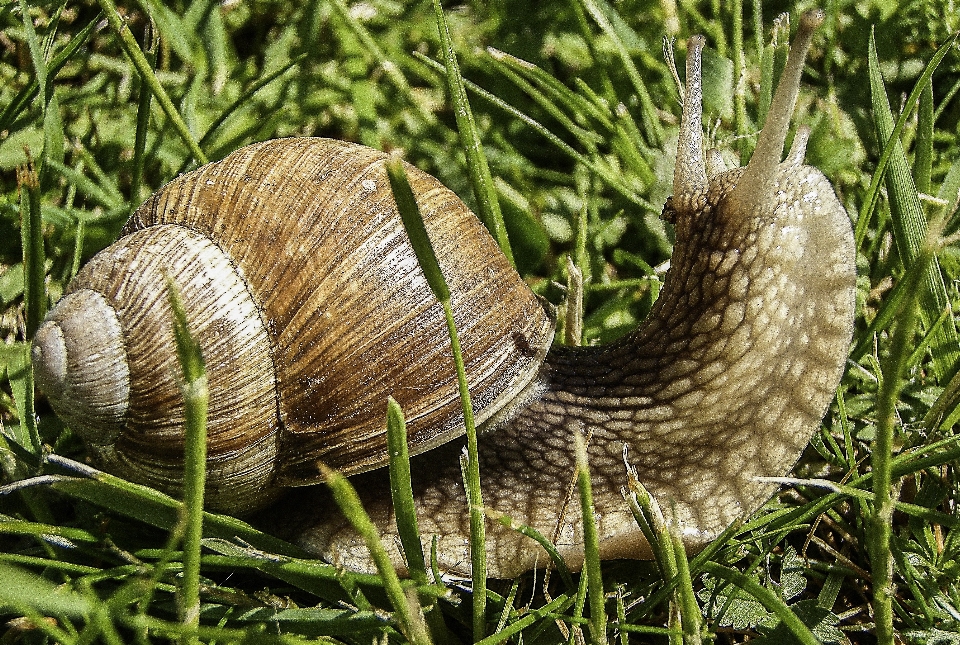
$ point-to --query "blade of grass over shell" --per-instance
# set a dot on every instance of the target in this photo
(349, 502)
(153, 507)
(484, 190)
(136, 56)
(195, 400)
(591, 545)
(417, 232)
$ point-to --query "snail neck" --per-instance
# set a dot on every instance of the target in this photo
(732, 371)
(755, 310)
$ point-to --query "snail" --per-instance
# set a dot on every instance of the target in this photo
(310, 310)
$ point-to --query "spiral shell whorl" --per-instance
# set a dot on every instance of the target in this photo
(80, 361)
(148, 445)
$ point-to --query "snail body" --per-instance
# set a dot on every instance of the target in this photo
(723, 383)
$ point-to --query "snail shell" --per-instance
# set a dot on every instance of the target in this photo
(310, 309)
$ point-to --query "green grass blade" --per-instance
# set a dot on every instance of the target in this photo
(591, 546)
(25, 97)
(54, 141)
(23, 591)
(646, 511)
(105, 196)
(19, 372)
(691, 619)
(879, 538)
(35, 299)
(416, 231)
(553, 97)
(484, 190)
(910, 226)
(765, 597)
(136, 56)
(389, 67)
(949, 194)
(608, 175)
(892, 142)
(404, 508)
(152, 40)
(244, 98)
(402, 492)
(528, 618)
(174, 31)
(413, 223)
(195, 400)
(34, 294)
(741, 124)
(648, 113)
(893, 306)
(924, 141)
(349, 502)
(558, 562)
